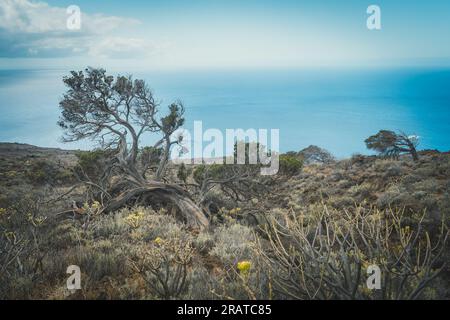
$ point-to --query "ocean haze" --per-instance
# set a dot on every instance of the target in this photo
(333, 108)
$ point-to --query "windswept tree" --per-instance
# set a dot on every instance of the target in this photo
(117, 113)
(391, 144)
(315, 155)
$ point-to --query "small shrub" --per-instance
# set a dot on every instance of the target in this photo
(165, 266)
(232, 243)
(92, 163)
(324, 260)
(289, 165)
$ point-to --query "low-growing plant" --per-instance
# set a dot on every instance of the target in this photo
(328, 258)
(164, 265)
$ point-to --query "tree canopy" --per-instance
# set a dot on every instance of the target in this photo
(390, 143)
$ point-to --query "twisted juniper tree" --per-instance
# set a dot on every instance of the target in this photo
(116, 113)
(391, 144)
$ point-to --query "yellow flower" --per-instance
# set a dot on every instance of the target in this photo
(95, 205)
(10, 236)
(234, 211)
(40, 220)
(158, 240)
(134, 219)
(244, 266)
(406, 231)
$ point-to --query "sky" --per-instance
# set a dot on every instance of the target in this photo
(173, 34)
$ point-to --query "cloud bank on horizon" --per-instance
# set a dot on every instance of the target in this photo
(224, 34)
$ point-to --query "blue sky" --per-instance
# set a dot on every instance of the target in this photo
(224, 34)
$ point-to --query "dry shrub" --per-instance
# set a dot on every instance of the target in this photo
(232, 243)
(165, 265)
(21, 239)
(327, 258)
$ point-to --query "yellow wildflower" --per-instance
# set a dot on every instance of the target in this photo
(244, 266)
(36, 221)
(40, 220)
(234, 211)
(406, 231)
(158, 240)
(134, 219)
(95, 205)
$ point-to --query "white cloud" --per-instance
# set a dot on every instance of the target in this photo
(34, 28)
(22, 16)
(120, 47)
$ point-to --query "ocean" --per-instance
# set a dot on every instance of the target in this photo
(333, 108)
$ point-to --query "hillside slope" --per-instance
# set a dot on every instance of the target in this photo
(126, 255)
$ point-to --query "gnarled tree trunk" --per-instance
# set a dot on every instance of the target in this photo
(118, 112)
(190, 213)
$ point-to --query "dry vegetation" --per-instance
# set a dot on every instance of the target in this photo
(312, 235)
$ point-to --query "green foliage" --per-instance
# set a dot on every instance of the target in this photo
(383, 141)
(183, 173)
(290, 165)
(214, 171)
(199, 174)
(44, 171)
(92, 162)
(391, 144)
(174, 119)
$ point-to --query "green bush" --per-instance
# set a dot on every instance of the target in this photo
(290, 165)
(183, 173)
(214, 171)
(92, 162)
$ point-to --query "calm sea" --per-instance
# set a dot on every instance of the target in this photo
(332, 108)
